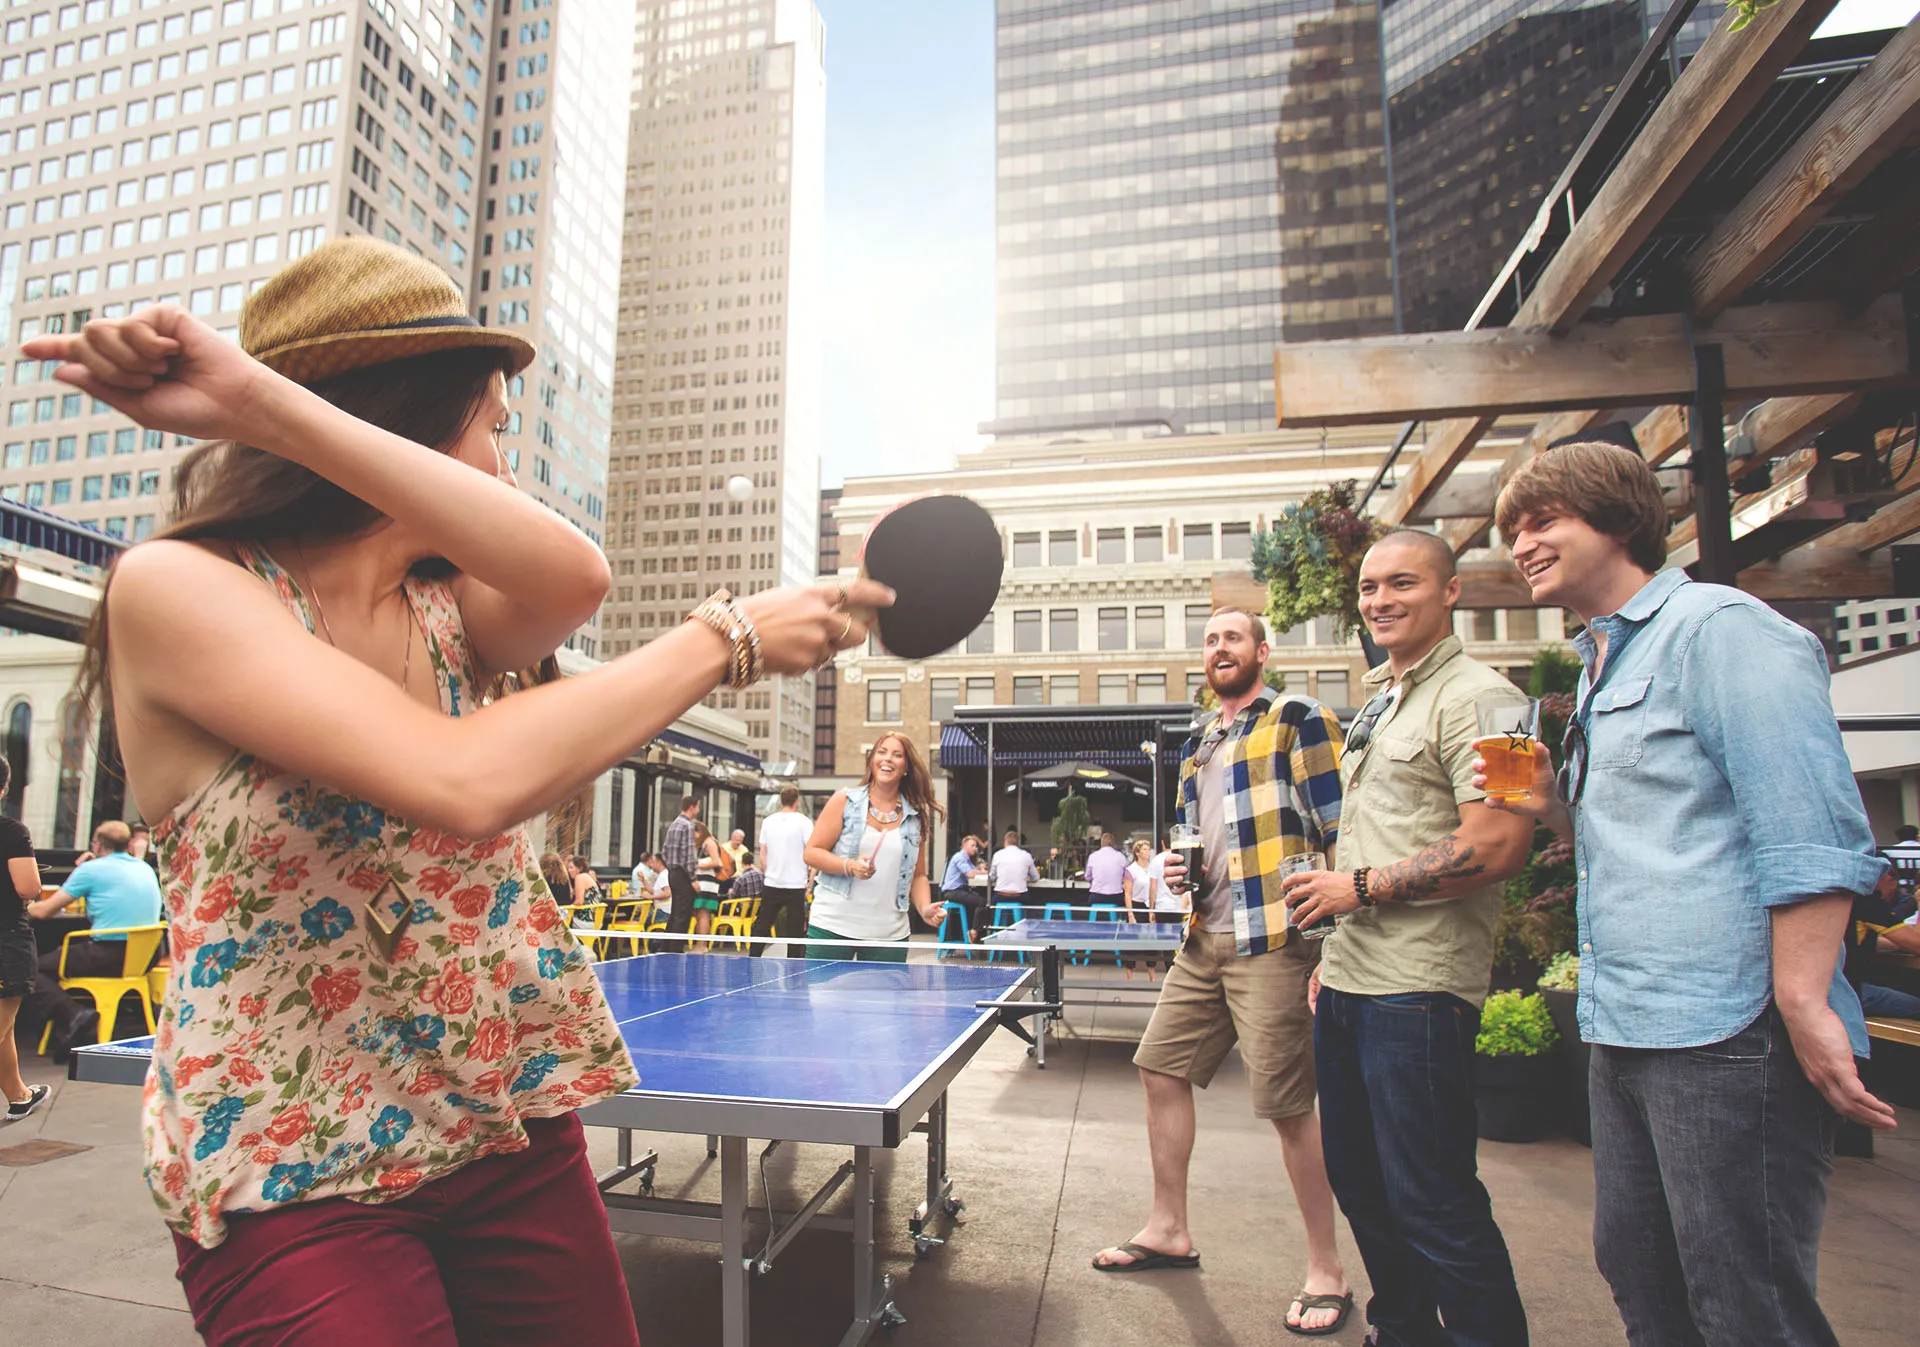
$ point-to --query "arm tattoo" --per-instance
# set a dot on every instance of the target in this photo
(1427, 872)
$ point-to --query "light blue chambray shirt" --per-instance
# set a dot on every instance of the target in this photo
(1717, 789)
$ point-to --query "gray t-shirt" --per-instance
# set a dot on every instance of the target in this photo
(1214, 896)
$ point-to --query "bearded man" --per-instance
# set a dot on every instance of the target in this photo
(1260, 779)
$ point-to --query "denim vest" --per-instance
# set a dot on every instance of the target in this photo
(853, 827)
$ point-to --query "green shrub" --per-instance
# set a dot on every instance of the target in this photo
(1515, 1024)
(1563, 974)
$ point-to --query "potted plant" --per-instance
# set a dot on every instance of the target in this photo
(1513, 1066)
(1310, 559)
(1560, 986)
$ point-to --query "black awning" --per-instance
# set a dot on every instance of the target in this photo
(1043, 736)
(32, 527)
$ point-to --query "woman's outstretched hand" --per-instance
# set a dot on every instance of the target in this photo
(165, 369)
(804, 627)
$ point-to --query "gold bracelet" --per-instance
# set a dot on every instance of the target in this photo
(722, 615)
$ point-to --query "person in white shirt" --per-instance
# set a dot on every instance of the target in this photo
(1139, 883)
(1011, 870)
(646, 875)
(783, 846)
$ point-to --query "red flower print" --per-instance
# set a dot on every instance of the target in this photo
(463, 932)
(491, 1039)
(398, 1180)
(472, 900)
(253, 1007)
(426, 1083)
(367, 879)
(543, 915)
(503, 974)
(186, 857)
(189, 1067)
(459, 1131)
(357, 1092)
(290, 875)
(173, 1177)
(523, 1032)
(581, 997)
(434, 842)
(489, 1082)
(267, 1155)
(334, 991)
(451, 993)
(179, 898)
(487, 849)
(216, 901)
(405, 948)
(266, 848)
(185, 939)
(290, 1124)
(437, 880)
(597, 1081)
(244, 1072)
(250, 1140)
(566, 1038)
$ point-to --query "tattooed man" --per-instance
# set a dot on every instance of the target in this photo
(1403, 975)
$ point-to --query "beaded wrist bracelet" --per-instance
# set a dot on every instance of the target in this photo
(723, 615)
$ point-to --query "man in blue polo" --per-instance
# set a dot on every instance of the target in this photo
(119, 892)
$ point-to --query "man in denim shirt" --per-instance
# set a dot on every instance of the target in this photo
(1720, 841)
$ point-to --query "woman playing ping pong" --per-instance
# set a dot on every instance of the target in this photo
(359, 1118)
(866, 845)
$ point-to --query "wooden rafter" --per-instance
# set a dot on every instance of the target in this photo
(1875, 115)
(1451, 443)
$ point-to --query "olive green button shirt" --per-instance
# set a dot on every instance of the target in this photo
(1401, 794)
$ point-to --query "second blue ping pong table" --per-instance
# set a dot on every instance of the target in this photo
(782, 1050)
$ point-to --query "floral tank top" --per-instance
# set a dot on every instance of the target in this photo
(292, 1060)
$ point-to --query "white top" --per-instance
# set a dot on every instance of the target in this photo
(1142, 884)
(870, 911)
(1164, 898)
(1009, 870)
(784, 834)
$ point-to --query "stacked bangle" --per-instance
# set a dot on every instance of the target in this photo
(723, 615)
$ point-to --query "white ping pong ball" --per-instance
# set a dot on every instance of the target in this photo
(739, 487)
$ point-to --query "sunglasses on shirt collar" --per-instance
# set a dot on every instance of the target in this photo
(1364, 724)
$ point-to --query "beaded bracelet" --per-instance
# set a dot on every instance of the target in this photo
(723, 615)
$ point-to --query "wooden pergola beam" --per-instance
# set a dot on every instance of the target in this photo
(1806, 347)
(1720, 86)
(1874, 116)
(1451, 443)
(1889, 524)
(1806, 573)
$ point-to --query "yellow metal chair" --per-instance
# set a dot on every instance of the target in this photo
(143, 942)
(736, 918)
(632, 915)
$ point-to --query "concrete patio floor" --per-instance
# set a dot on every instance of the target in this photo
(1051, 1165)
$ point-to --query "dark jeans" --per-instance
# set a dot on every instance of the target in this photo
(972, 907)
(1710, 1174)
(1888, 1003)
(85, 959)
(1398, 1124)
(785, 908)
(680, 915)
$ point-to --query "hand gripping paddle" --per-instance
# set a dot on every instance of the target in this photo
(941, 557)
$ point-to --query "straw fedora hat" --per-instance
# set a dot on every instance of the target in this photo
(355, 302)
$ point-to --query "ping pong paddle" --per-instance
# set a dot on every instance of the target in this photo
(941, 557)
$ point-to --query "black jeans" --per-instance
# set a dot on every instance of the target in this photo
(972, 906)
(680, 915)
(786, 908)
(85, 959)
(1710, 1173)
(1398, 1124)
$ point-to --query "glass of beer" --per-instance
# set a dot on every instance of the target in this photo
(1508, 732)
(1294, 865)
(1183, 840)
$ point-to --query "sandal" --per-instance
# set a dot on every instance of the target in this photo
(1143, 1259)
(1342, 1302)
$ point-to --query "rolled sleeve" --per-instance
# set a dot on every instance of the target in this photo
(1796, 873)
(1457, 725)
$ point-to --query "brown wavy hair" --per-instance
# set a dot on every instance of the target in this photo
(225, 491)
(916, 787)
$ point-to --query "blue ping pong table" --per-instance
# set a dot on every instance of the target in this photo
(784, 1050)
(1115, 939)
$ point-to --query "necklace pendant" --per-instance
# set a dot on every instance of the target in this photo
(389, 912)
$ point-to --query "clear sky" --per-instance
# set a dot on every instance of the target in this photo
(909, 262)
(909, 267)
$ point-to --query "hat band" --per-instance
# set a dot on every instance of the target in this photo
(451, 320)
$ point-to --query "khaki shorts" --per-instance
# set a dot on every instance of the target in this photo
(1213, 997)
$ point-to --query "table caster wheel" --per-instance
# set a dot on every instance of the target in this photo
(890, 1317)
(924, 1245)
(953, 1206)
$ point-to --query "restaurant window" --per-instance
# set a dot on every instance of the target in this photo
(1333, 690)
(1110, 547)
(1063, 690)
(1197, 615)
(944, 695)
(1150, 628)
(1063, 626)
(1063, 548)
(883, 701)
(1113, 629)
(1195, 681)
(980, 639)
(1196, 542)
(1148, 546)
(1150, 688)
(1027, 691)
(1026, 549)
(1236, 542)
(980, 691)
(1113, 689)
(1485, 624)
(1523, 624)
(1026, 631)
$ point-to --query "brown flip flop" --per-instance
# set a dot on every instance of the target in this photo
(1146, 1260)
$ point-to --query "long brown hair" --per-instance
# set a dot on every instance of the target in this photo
(916, 786)
(233, 492)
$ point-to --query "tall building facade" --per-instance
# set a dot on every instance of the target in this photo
(718, 371)
(174, 151)
(1138, 187)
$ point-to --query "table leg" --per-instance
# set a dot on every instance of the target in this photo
(734, 1288)
(940, 1200)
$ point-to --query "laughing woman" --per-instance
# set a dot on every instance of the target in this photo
(359, 1121)
(867, 847)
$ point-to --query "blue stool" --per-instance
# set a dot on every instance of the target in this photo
(1005, 915)
(1105, 912)
(955, 920)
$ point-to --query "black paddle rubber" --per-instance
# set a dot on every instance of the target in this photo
(941, 557)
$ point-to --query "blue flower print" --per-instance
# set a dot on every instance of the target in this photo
(553, 962)
(502, 910)
(536, 1070)
(420, 1034)
(327, 920)
(470, 1105)
(216, 1126)
(286, 1182)
(213, 962)
(424, 911)
(187, 1013)
(391, 1127)
(362, 821)
(525, 992)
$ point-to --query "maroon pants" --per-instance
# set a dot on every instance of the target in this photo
(510, 1249)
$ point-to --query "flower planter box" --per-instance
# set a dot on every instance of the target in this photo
(1513, 1095)
(1572, 1056)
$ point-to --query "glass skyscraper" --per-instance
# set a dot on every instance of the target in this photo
(1139, 253)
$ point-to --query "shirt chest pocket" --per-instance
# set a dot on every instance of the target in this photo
(1403, 780)
(1617, 727)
